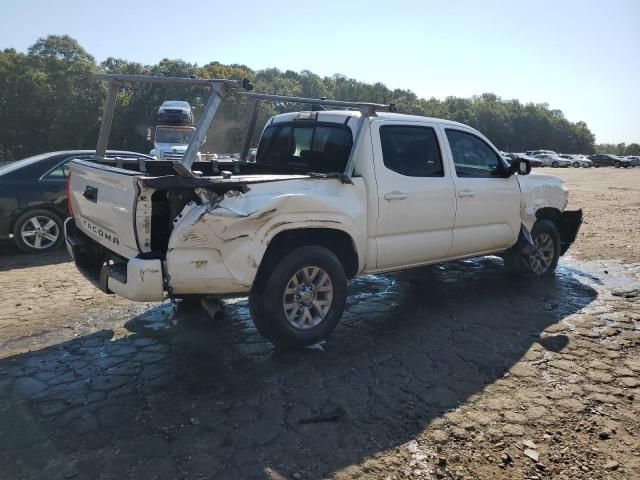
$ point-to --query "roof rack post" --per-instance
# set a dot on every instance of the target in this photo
(365, 113)
(255, 109)
(183, 167)
(107, 118)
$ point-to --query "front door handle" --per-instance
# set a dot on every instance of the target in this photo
(395, 195)
(466, 193)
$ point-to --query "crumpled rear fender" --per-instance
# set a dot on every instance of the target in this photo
(217, 247)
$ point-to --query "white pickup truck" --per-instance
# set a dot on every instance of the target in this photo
(331, 195)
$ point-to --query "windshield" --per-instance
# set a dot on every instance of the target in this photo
(167, 135)
(175, 104)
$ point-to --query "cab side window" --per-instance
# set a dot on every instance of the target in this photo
(472, 156)
(411, 151)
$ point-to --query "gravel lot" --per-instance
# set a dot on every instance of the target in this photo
(454, 371)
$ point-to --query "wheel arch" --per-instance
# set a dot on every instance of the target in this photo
(337, 241)
(567, 223)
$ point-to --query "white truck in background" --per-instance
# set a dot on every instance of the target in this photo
(170, 142)
(331, 195)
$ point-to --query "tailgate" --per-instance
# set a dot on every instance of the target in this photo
(103, 200)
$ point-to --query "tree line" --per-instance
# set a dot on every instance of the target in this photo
(48, 101)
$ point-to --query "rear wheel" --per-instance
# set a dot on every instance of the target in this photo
(302, 299)
(544, 257)
(38, 231)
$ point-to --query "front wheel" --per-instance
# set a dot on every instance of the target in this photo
(545, 255)
(555, 165)
(617, 164)
(302, 299)
(576, 165)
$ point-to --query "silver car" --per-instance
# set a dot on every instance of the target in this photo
(577, 161)
(554, 161)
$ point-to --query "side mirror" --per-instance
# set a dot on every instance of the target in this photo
(521, 166)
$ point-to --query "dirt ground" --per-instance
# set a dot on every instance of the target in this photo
(610, 199)
(453, 371)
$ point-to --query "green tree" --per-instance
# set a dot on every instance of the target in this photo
(48, 101)
(632, 149)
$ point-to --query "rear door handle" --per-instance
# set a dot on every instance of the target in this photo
(395, 195)
(466, 193)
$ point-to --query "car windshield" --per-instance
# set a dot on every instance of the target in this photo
(175, 104)
(166, 135)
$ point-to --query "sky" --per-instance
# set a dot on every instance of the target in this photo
(579, 56)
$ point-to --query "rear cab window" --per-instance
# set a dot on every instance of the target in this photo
(316, 147)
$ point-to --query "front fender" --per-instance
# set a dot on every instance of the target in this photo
(540, 191)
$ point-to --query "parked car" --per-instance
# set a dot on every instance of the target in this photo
(607, 160)
(290, 229)
(635, 160)
(175, 112)
(554, 161)
(33, 198)
(577, 160)
(533, 153)
(535, 162)
(511, 157)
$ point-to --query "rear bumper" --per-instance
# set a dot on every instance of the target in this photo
(136, 279)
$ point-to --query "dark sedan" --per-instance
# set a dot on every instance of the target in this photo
(33, 199)
(606, 160)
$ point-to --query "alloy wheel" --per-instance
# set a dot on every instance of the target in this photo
(307, 297)
(541, 260)
(40, 232)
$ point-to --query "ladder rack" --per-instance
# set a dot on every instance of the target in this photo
(219, 88)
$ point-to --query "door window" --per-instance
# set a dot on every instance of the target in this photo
(411, 151)
(472, 156)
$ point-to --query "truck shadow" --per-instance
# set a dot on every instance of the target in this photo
(191, 397)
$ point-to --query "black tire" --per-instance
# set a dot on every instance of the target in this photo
(617, 164)
(597, 166)
(266, 299)
(555, 165)
(576, 165)
(526, 265)
(24, 224)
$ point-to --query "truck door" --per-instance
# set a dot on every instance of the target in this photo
(416, 196)
(487, 204)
